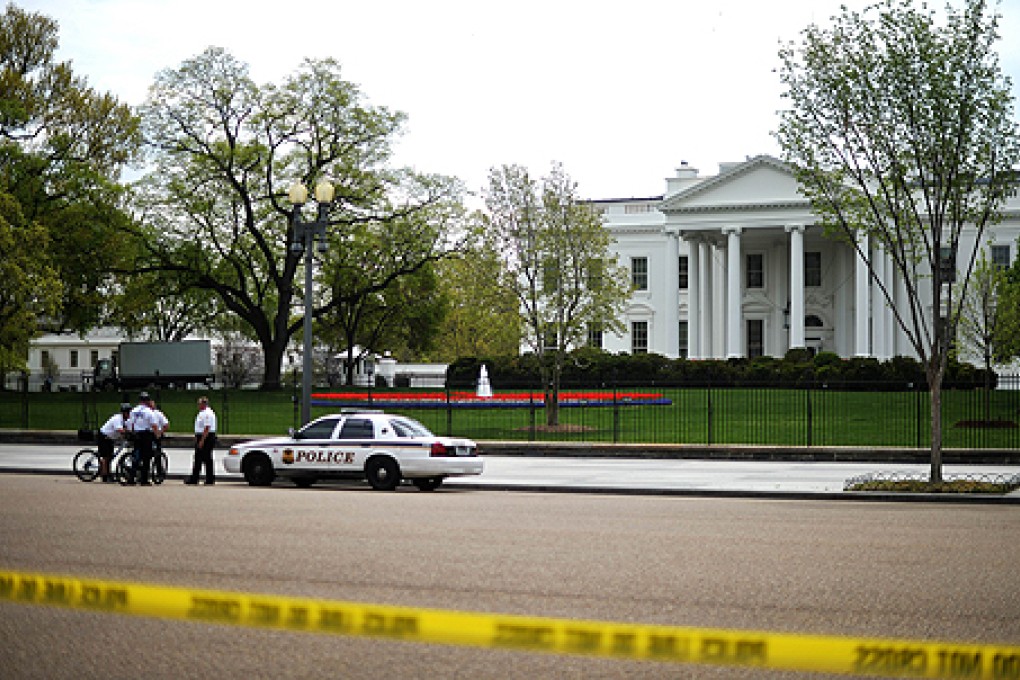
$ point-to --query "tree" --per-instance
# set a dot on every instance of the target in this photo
(1007, 345)
(980, 330)
(483, 317)
(31, 287)
(163, 307)
(900, 129)
(62, 146)
(557, 262)
(224, 152)
(402, 317)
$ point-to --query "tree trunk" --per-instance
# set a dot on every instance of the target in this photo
(272, 355)
(935, 390)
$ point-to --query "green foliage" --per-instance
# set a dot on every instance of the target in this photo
(556, 260)
(483, 317)
(31, 287)
(900, 130)
(588, 367)
(225, 150)
(1007, 330)
(62, 146)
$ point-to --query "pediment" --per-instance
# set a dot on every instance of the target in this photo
(760, 182)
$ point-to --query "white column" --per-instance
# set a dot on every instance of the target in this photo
(706, 299)
(693, 299)
(878, 304)
(890, 318)
(861, 276)
(671, 315)
(796, 285)
(734, 295)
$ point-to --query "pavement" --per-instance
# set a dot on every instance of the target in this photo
(634, 475)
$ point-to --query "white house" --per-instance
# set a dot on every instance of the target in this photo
(733, 265)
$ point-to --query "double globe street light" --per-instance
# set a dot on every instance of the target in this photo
(305, 235)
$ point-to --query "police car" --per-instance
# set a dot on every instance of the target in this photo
(383, 448)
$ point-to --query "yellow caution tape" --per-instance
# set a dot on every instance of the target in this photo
(782, 651)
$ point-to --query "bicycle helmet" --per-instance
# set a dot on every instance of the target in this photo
(125, 408)
(144, 396)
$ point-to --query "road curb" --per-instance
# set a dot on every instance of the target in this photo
(744, 452)
(855, 496)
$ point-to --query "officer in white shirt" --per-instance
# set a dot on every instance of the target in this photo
(145, 427)
(112, 430)
(205, 441)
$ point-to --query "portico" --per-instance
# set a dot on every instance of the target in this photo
(737, 265)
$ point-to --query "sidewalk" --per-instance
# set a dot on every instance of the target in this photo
(633, 476)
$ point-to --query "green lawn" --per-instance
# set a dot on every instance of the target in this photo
(696, 415)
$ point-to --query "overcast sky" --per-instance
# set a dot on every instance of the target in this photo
(620, 92)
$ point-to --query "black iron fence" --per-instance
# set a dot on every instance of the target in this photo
(814, 414)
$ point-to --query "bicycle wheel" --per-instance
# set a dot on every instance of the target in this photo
(126, 469)
(160, 464)
(86, 465)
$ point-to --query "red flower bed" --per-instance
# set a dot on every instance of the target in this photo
(516, 397)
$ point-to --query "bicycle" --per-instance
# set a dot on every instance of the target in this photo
(86, 462)
(126, 472)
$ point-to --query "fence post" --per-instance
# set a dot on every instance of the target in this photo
(24, 400)
(809, 415)
(449, 414)
(709, 418)
(225, 428)
(531, 410)
(917, 415)
(616, 414)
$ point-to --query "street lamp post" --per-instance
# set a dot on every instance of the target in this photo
(305, 235)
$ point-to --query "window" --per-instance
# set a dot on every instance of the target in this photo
(755, 338)
(684, 269)
(595, 335)
(405, 427)
(637, 209)
(93, 358)
(683, 340)
(639, 273)
(1000, 257)
(549, 341)
(74, 358)
(812, 321)
(357, 428)
(755, 270)
(44, 358)
(639, 337)
(550, 276)
(596, 273)
(812, 269)
(947, 264)
(320, 429)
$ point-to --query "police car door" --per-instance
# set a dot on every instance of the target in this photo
(356, 438)
(313, 447)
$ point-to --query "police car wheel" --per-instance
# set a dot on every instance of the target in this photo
(383, 473)
(258, 470)
(428, 484)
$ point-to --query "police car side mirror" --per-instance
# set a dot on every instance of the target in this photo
(291, 433)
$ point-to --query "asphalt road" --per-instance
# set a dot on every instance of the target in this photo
(624, 475)
(920, 570)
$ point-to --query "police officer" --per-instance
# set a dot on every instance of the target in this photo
(112, 430)
(205, 441)
(145, 427)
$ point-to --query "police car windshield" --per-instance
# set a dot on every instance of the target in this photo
(320, 429)
(405, 427)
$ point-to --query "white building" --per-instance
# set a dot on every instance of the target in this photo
(733, 265)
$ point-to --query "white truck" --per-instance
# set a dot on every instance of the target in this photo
(141, 364)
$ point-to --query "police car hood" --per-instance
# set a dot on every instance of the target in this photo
(275, 441)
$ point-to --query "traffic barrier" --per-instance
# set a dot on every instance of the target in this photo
(760, 649)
